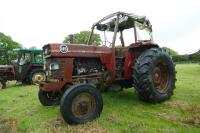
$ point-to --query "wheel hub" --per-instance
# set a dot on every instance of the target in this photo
(157, 75)
(161, 77)
(83, 105)
(38, 77)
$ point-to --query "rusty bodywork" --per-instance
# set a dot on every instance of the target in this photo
(6, 73)
(116, 63)
(76, 72)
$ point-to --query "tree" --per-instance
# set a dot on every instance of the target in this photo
(6, 46)
(170, 51)
(82, 38)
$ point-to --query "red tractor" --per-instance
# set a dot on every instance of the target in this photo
(76, 73)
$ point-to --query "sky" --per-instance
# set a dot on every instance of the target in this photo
(176, 23)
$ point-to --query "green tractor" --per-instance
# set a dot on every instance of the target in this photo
(27, 68)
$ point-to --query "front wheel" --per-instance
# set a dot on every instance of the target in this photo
(154, 75)
(80, 104)
(49, 98)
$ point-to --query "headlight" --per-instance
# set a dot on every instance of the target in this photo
(54, 66)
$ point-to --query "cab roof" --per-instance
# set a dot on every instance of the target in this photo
(126, 21)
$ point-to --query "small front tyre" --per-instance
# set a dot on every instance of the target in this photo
(80, 104)
(49, 98)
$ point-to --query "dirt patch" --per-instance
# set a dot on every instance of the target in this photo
(177, 104)
(8, 125)
(57, 125)
(190, 113)
(56, 122)
(193, 118)
(91, 128)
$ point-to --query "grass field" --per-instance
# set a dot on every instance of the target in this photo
(20, 110)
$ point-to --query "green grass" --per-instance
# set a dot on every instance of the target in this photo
(20, 110)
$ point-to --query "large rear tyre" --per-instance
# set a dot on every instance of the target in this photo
(37, 76)
(80, 104)
(49, 98)
(154, 75)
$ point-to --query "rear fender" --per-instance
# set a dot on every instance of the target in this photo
(130, 57)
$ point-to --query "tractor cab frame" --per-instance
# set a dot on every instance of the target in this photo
(117, 23)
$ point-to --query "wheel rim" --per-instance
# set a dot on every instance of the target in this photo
(83, 105)
(161, 78)
(38, 77)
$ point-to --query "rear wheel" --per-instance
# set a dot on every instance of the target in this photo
(49, 98)
(81, 103)
(37, 76)
(154, 75)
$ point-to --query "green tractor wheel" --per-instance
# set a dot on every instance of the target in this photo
(37, 76)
